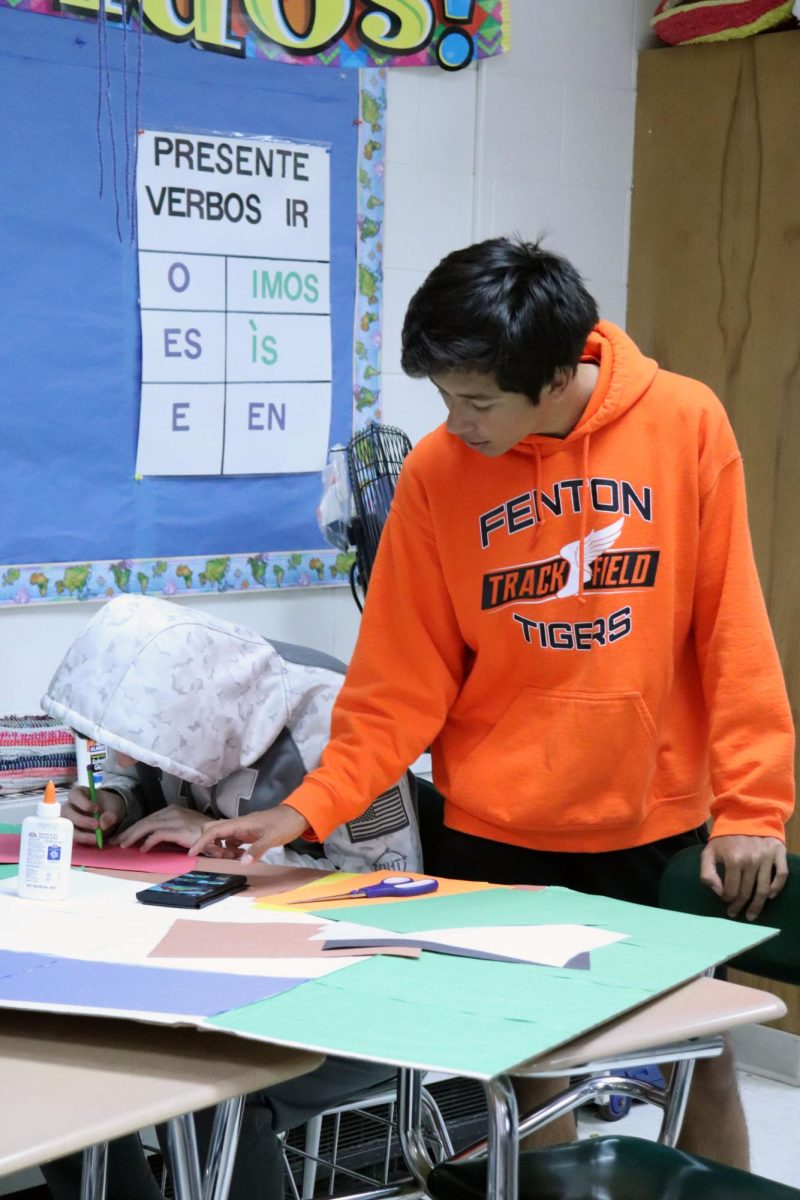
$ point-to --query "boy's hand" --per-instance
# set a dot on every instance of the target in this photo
(755, 871)
(107, 812)
(249, 837)
(174, 824)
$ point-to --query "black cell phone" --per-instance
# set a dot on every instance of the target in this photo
(195, 889)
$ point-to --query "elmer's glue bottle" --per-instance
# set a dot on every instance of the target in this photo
(45, 851)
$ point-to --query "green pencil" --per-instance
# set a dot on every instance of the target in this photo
(98, 833)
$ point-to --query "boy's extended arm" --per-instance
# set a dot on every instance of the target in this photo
(406, 671)
(251, 836)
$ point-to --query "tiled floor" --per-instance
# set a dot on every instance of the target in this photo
(773, 1119)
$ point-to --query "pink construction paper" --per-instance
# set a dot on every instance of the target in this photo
(112, 858)
(233, 939)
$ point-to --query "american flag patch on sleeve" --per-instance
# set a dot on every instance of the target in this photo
(385, 815)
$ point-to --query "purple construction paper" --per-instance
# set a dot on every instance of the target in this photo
(13, 962)
(41, 980)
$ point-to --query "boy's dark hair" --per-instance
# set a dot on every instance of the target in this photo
(502, 307)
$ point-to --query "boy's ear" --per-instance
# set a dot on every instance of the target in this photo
(561, 381)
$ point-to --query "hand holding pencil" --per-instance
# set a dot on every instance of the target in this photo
(104, 814)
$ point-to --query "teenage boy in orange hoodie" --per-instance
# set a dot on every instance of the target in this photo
(566, 607)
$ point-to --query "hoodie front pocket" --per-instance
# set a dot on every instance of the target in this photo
(559, 760)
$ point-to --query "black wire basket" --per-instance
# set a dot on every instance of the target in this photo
(374, 458)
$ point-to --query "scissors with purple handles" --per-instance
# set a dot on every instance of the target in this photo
(391, 885)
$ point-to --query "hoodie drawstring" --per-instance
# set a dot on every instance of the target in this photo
(584, 508)
(540, 519)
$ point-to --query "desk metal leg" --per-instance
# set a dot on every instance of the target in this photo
(501, 1167)
(222, 1149)
(677, 1099)
(409, 1124)
(93, 1173)
(183, 1157)
(502, 1142)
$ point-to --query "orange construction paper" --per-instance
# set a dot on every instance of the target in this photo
(314, 897)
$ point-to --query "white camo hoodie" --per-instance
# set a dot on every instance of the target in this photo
(231, 720)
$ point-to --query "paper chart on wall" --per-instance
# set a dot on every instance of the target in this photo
(235, 309)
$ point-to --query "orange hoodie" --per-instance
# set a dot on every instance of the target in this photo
(577, 628)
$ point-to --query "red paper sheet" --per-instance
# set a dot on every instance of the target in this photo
(112, 858)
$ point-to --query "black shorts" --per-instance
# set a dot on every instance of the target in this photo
(632, 874)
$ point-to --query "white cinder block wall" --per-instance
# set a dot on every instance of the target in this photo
(538, 140)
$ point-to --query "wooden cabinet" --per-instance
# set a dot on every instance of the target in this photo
(714, 280)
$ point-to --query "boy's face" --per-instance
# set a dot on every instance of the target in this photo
(491, 421)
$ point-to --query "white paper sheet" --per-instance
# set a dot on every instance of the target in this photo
(552, 945)
(101, 920)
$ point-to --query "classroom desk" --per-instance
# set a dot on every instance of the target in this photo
(73, 1082)
(360, 1008)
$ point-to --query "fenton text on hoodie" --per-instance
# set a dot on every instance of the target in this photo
(524, 510)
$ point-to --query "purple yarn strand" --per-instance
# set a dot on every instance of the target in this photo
(98, 132)
(125, 114)
(137, 121)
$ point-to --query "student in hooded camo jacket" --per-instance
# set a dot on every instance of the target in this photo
(566, 607)
(206, 719)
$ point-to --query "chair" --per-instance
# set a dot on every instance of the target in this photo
(611, 1168)
(779, 957)
(430, 813)
(631, 1168)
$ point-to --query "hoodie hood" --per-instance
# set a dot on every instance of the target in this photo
(174, 688)
(625, 374)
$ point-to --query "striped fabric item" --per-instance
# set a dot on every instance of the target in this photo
(34, 749)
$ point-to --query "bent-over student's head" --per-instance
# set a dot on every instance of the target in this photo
(177, 689)
(503, 307)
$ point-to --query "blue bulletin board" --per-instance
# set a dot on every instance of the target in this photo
(77, 524)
